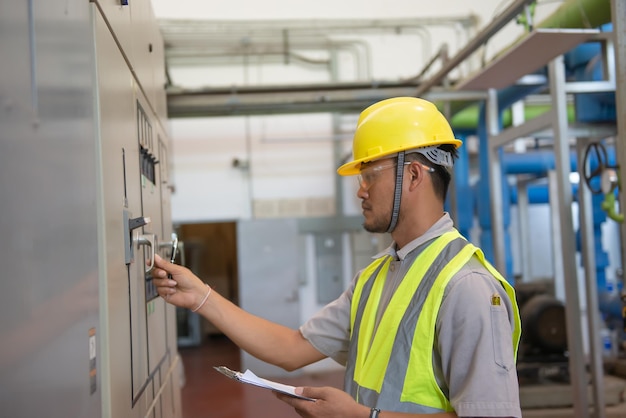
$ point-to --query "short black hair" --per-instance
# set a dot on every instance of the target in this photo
(442, 175)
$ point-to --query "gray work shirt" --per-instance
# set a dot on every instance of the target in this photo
(473, 359)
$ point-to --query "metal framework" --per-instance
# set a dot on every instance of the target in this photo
(561, 200)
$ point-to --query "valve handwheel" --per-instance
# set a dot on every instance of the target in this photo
(602, 160)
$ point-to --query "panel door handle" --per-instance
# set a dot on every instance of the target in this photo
(150, 241)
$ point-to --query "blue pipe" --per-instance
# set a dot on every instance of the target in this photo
(594, 107)
(538, 194)
(532, 162)
(464, 193)
(585, 64)
(506, 98)
(589, 108)
(536, 162)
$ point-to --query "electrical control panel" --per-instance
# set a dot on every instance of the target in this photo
(85, 208)
(142, 364)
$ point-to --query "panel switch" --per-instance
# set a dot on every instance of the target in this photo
(131, 224)
(135, 223)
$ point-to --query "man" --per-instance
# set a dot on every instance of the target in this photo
(429, 327)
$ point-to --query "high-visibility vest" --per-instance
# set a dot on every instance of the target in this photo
(392, 368)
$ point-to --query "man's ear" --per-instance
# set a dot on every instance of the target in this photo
(415, 174)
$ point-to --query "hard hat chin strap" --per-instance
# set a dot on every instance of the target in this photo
(397, 196)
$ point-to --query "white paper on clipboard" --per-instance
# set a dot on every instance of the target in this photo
(252, 379)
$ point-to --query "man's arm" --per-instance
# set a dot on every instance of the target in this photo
(265, 340)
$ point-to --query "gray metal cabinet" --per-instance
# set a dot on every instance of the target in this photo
(139, 358)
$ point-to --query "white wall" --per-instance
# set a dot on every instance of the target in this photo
(291, 158)
(276, 163)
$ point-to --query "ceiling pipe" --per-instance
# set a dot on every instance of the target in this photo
(498, 23)
(195, 43)
(572, 13)
(208, 29)
(588, 14)
(313, 98)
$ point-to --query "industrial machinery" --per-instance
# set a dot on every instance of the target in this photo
(85, 207)
(542, 355)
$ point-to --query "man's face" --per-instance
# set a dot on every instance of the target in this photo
(376, 188)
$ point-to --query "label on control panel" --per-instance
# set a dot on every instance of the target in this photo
(92, 361)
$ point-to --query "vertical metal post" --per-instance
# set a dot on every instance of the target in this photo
(495, 183)
(618, 13)
(555, 228)
(524, 241)
(32, 43)
(568, 261)
(589, 261)
(337, 148)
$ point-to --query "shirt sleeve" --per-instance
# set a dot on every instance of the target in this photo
(474, 342)
(329, 329)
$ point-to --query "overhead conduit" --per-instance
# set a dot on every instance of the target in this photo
(205, 43)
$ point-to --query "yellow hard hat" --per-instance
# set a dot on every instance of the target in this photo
(397, 124)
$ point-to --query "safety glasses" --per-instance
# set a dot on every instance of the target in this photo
(369, 175)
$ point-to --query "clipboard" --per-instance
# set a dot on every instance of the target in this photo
(250, 378)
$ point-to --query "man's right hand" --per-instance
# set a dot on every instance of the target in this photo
(177, 284)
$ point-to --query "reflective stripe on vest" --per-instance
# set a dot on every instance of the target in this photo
(392, 368)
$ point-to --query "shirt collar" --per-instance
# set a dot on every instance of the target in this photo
(443, 225)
